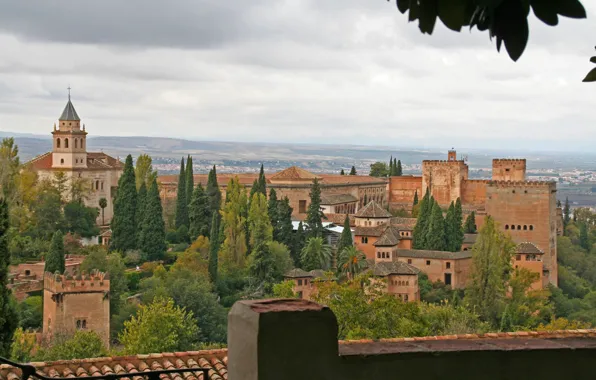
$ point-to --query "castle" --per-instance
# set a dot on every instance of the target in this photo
(96, 171)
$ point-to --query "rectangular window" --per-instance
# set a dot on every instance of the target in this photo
(409, 261)
(448, 265)
(447, 278)
(518, 257)
(302, 206)
(299, 282)
(427, 262)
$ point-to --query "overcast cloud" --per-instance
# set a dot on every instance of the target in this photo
(332, 71)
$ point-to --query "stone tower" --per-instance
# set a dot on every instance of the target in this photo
(509, 169)
(70, 142)
(444, 178)
(75, 303)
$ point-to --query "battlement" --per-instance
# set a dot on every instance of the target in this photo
(509, 160)
(518, 184)
(85, 282)
(443, 162)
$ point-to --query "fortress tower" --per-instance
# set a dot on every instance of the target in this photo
(509, 169)
(75, 303)
(444, 178)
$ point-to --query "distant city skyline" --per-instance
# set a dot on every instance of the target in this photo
(345, 72)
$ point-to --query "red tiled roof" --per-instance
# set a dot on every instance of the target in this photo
(369, 231)
(42, 162)
(373, 210)
(95, 160)
(530, 248)
(293, 173)
(215, 360)
(405, 224)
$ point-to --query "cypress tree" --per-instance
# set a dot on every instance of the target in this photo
(299, 241)
(214, 244)
(181, 199)
(342, 172)
(262, 182)
(458, 227)
(283, 232)
(272, 209)
(124, 225)
(566, 213)
(391, 166)
(190, 180)
(345, 240)
(140, 212)
(415, 198)
(398, 170)
(314, 215)
(470, 225)
(8, 314)
(584, 240)
(435, 235)
(450, 232)
(153, 234)
(55, 261)
(199, 213)
(419, 233)
(353, 170)
(213, 192)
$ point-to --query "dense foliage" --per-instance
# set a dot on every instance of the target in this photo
(124, 222)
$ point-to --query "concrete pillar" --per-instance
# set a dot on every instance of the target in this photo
(282, 338)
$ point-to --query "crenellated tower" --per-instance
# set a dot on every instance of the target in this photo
(69, 140)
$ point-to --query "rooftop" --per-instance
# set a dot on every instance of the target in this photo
(389, 238)
(425, 254)
(334, 199)
(373, 210)
(69, 113)
(386, 268)
(293, 173)
(528, 248)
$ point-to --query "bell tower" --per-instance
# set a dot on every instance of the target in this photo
(69, 149)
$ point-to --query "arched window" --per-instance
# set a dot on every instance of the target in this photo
(96, 185)
(82, 143)
(58, 143)
(378, 255)
(84, 324)
(531, 227)
(507, 226)
(519, 227)
(76, 143)
(525, 227)
(102, 185)
(66, 143)
(62, 161)
(78, 323)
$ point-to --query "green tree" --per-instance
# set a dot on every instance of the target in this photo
(181, 198)
(262, 182)
(298, 245)
(450, 236)
(391, 169)
(103, 203)
(234, 225)
(124, 222)
(470, 225)
(190, 180)
(282, 260)
(423, 221)
(140, 212)
(113, 264)
(199, 213)
(8, 313)
(30, 313)
(314, 215)
(153, 234)
(144, 172)
(47, 213)
(60, 182)
(435, 235)
(316, 254)
(566, 213)
(80, 219)
(283, 230)
(213, 192)
(351, 262)
(342, 172)
(214, 249)
(80, 345)
(415, 198)
(491, 270)
(160, 327)
(55, 261)
(345, 239)
(272, 210)
(24, 344)
(398, 169)
(458, 228)
(353, 170)
(584, 240)
(284, 289)
(9, 168)
(261, 234)
(80, 189)
(378, 169)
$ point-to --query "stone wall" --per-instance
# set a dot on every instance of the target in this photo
(436, 269)
(473, 194)
(509, 169)
(444, 178)
(402, 190)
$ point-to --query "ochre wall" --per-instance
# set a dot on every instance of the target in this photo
(473, 193)
(509, 169)
(532, 266)
(445, 179)
(367, 248)
(402, 190)
(438, 267)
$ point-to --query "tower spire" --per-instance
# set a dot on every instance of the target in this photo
(68, 88)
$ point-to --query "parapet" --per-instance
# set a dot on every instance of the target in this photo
(80, 283)
(509, 160)
(517, 184)
(443, 162)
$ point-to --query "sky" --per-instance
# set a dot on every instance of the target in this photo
(294, 71)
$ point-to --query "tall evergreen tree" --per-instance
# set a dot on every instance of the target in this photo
(342, 172)
(190, 180)
(8, 314)
(353, 170)
(124, 225)
(283, 231)
(391, 166)
(213, 192)
(584, 239)
(415, 198)
(199, 213)
(314, 215)
(214, 248)
(55, 261)
(450, 232)
(398, 170)
(233, 221)
(420, 229)
(566, 213)
(261, 234)
(181, 199)
(153, 234)
(262, 182)
(345, 240)
(299, 241)
(435, 235)
(458, 227)
(140, 212)
(272, 209)
(470, 225)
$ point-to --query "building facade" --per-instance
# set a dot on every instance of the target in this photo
(95, 172)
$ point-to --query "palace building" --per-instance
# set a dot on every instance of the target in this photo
(96, 171)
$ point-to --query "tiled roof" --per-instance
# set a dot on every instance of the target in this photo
(389, 238)
(215, 360)
(41, 162)
(293, 173)
(369, 231)
(424, 254)
(95, 160)
(386, 268)
(69, 112)
(334, 199)
(339, 219)
(404, 223)
(528, 248)
(470, 238)
(297, 273)
(373, 210)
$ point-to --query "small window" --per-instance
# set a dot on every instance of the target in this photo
(299, 282)
(531, 227)
(507, 169)
(518, 258)
(27, 272)
(448, 265)
(409, 261)
(96, 185)
(76, 143)
(407, 283)
(102, 185)
(507, 226)
(528, 258)
(519, 227)
(66, 143)
(78, 324)
(62, 161)
(525, 227)
(84, 324)
(378, 255)
(513, 191)
(58, 143)
(302, 206)
(406, 298)
(427, 262)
